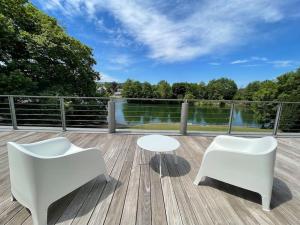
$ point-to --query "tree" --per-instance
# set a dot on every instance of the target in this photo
(289, 90)
(111, 87)
(179, 90)
(248, 92)
(265, 113)
(38, 57)
(163, 90)
(202, 91)
(220, 89)
(189, 95)
(147, 90)
(132, 89)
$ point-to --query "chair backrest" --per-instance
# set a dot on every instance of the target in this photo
(48, 148)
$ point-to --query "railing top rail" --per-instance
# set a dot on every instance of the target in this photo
(44, 96)
(151, 99)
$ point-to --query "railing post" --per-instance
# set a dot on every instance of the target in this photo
(111, 117)
(62, 113)
(12, 112)
(184, 117)
(277, 119)
(230, 118)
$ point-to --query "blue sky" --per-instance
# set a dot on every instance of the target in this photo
(184, 40)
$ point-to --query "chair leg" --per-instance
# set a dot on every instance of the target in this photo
(266, 200)
(12, 198)
(107, 177)
(39, 215)
(200, 177)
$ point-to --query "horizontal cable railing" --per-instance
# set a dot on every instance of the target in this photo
(186, 116)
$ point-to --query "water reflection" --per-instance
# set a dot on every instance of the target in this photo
(135, 114)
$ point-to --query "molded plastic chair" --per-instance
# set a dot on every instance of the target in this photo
(45, 171)
(246, 163)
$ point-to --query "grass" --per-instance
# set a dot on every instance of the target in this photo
(175, 126)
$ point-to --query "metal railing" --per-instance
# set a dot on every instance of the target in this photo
(102, 113)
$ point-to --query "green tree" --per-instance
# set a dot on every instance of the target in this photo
(248, 92)
(179, 90)
(132, 89)
(147, 90)
(189, 95)
(38, 57)
(220, 89)
(163, 90)
(111, 87)
(265, 113)
(201, 91)
(289, 90)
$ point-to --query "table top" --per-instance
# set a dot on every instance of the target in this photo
(158, 143)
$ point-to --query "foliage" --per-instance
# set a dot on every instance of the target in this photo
(111, 87)
(163, 90)
(285, 88)
(132, 89)
(37, 56)
(179, 90)
(222, 88)
(289, 90)
(248, 92)
(189, 95)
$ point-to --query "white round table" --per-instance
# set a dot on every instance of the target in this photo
(158, 143)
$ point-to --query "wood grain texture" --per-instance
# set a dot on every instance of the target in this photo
(137, 195)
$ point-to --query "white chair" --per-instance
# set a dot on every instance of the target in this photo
(45, 171)
(243, 162)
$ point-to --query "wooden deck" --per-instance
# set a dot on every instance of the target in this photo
(137, 195)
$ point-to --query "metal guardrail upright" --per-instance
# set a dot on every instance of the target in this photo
(277, 119)
(111, 117)
(62, 113)
(184, 117)
(12, 112)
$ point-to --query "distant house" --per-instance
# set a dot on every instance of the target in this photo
(102, 89)
(118, 92)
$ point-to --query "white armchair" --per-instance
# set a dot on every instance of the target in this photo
(247, 163)
(45, 171)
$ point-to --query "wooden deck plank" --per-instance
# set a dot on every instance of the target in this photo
(144, 201)
(131, 201)
(171, 206)
(116, 206)
(184, 205)
(157, 200)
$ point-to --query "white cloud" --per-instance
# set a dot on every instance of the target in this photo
(185, 29)
(256, 58)
(258, 61)
(283, 63)
(214, 63)
(239, 61)
(107, 78)
(120, 62)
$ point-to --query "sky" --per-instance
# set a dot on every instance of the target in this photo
(184, 40)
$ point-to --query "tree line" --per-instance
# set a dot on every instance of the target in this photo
(222, 88)
(284, 88)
